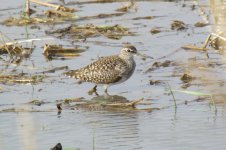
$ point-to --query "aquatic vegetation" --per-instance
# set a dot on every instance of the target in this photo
(36, 20)
(145, 17)
(200, 24)
(57, 7)
(58, 15)
(155, 82)
(111, 105)
(155, 31)
(21, 78)
(127, 7)
(90, 30)
(53, 51)
(12, 49)
(178, 25)
(186, 78)
(157, 65)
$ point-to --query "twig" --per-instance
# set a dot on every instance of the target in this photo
(207, 41)
(209, 37)
(175, 104)
(217, 35)
(27, 41)
(27, 8)
(213, 102)
(57, 7)
(170, 54)
(45, 4)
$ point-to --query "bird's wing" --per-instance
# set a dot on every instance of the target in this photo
(103, 71)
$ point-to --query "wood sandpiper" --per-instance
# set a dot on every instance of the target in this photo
(108, 70)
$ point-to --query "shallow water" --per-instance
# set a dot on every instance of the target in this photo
(193, 125)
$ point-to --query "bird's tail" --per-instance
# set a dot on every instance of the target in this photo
(72, 74)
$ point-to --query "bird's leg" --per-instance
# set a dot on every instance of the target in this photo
(106, 89)
(93, 90)
(107, 96)
(79, 81)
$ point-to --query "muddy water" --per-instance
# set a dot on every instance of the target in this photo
(194, 124)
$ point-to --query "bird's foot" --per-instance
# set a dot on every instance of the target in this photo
(93, 90)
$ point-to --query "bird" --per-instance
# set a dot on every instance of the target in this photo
(108, 70)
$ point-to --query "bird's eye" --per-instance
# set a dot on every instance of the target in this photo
(128, 50)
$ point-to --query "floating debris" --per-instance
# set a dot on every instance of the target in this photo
(90, 30)
(201, 24)
(36, 102)
(73, 100)
(155, 82)
(178, 25)
(21, 78)
(157, 65)
(217, 41)
(25, 21)
(55, 69)
(101, 16)
(146, 17)
(109, 105)
(11, 49)
(126, 8)
(155, 31)
(59, 14)
(51, 51)
(193, 47)
(109, 99)
(57, 7)
(186, 78)
(14, 49)
(103, 102)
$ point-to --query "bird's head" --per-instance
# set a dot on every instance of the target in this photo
(129, 49)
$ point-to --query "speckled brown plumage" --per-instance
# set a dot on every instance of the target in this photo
(105, 70)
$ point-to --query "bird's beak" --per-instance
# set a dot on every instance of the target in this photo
(144, 55)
